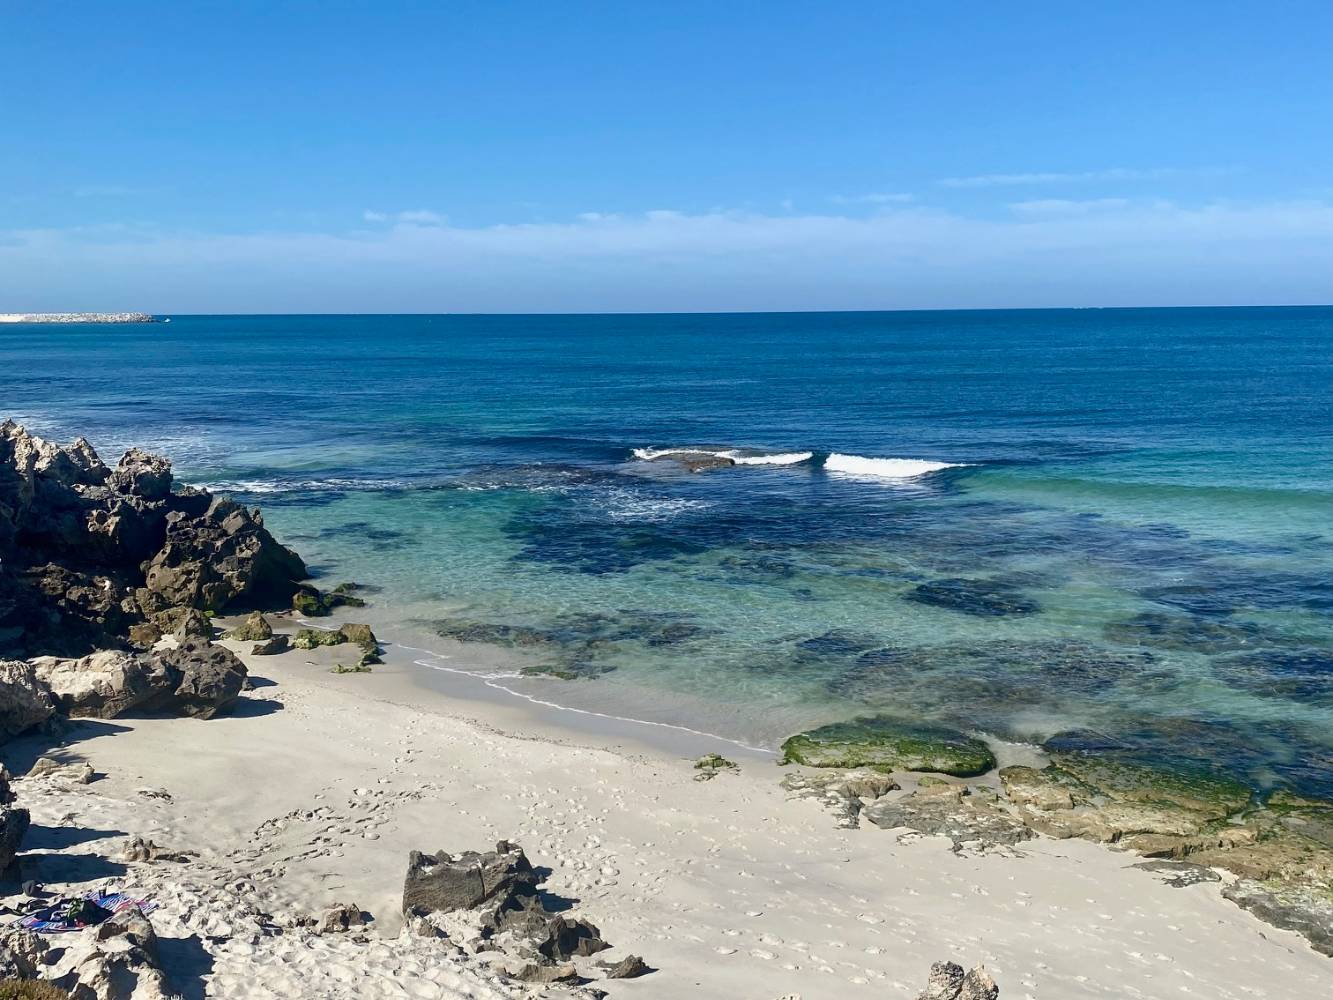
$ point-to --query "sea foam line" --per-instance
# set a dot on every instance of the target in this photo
(491, 681)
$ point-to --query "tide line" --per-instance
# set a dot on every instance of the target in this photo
(492, 681)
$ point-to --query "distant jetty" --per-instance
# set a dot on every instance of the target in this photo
(77, 318)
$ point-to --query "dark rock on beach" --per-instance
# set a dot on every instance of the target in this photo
(491, 901)
(279, 643)
(204, 679)
(88, 553)
(443, 882)
(948, 982)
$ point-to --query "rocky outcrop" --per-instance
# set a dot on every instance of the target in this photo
(280, 643)
(204, 679)
(442, 883)
(315, 603)
(102, 685)
(490, 901)
(221, 558)
(1303, 909)
(25, 703)
(14, 823)
(117, 961)
(88, 553)
(948, 982)
(255, 628)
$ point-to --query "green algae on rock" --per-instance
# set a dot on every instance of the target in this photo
(310, 601)
(309, 638)
(359, 635)
(889, 745)
(255, 628)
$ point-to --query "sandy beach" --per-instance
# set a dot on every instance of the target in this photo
(315, 788)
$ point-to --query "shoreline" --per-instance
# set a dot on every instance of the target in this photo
(729, 887)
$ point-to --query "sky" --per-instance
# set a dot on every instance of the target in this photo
(246, 157)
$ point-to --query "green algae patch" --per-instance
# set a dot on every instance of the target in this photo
(309, 638)
(360, 635)
(888, 745)
(255, 628)
(1209, 796)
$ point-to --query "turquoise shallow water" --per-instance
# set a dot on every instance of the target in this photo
(1134, 537)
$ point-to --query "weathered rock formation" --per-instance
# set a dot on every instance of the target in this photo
(490, 902)
(88, 552)
(102, 685)
(948, 982)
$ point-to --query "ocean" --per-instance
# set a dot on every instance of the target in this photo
(1092, 527)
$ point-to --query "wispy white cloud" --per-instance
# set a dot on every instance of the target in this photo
(1111, 174)
(874, 198)
(411, 217)
(1044, 254)
(1064, 206)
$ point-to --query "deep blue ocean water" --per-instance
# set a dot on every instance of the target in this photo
(1133, 538)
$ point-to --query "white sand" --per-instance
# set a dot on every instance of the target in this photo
(317, 788)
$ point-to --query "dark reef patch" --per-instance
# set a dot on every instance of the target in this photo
(982, 598)
(582, 644)
(1298, 674)
(1183, 633)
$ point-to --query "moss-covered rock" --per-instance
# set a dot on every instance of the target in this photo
(711, 764)
(255, 628)
(309, 638)
(360, 635)
(311, 601)
(359, 668)
(889, 745)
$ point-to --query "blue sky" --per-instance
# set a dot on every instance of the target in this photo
(237, 157)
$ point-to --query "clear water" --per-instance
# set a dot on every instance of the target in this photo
(1137, 544)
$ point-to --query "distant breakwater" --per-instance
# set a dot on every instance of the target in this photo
(90, 317)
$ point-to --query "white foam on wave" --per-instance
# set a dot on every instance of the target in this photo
(736, 455)
(784, 458)
(301, 486)
(885, 468)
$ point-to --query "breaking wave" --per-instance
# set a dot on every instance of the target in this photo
(737, 455)
(885, 468)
